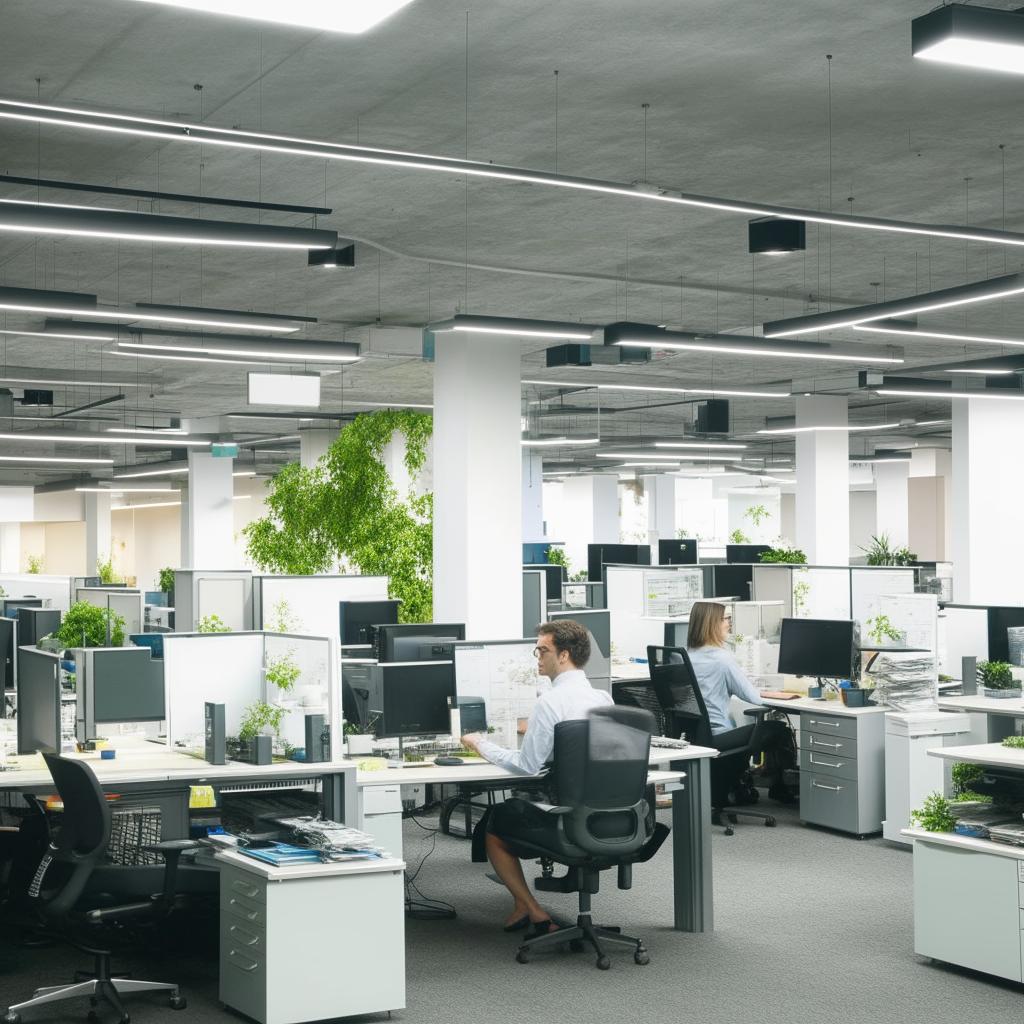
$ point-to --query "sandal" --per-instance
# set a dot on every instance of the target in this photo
(519, 925)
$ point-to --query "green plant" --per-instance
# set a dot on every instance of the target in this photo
(259, 717)
(880, 553)
(166, 580)
(801, 591)
(281, 618)
(1014, 742)
(794, 555)
(738, 537)
(283, 672)
(579, 577)
(964, 775)
(347, 508)
(880, 628)
(935, 816)
(212, 624)
(35, 565)
(105, 571)
(996, 675)
(356, 729)
(90, 620)
(757, 514)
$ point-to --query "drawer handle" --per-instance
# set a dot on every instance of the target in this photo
(818, 721)
(238, 958)
(249, 915)
(247, 937)
(822, 743)
(246, 890)
(818, 785)
(826, 764)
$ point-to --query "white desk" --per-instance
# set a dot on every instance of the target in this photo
(691, 818)
(823, 707)
(1000, 713)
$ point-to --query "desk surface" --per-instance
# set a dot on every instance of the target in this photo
(1013, 706)
(823, 707)
(293, 872)
(484, 772)
(994, 754)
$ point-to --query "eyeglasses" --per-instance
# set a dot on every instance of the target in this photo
(538, 651)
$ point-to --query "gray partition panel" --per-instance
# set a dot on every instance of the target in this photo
(38, 702)
(127, 686)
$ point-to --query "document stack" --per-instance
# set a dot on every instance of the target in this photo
(332, 840)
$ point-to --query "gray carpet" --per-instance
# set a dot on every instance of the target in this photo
(809, 927)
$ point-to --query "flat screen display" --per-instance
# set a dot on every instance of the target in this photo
(816, 647)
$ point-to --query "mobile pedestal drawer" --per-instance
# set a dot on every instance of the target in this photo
(842, 770)
(288, 951)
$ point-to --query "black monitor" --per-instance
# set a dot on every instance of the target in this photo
(6, 658)
(678, 552)
(816, 647)
(413, 699)
(999, 620)
(416, 641)
(732, 581)
(554, 576)
(355, 619)
(39, 694)
(616, 554)
(35, 623)
(745, 552)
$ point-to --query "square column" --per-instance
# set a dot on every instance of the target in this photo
(892, 502)
(10, 547)
(533, 498)
(823, 480)
(207, 513)
(97, 530)
(590, 514)
(478, 501)
(987, 495)
(661, 508)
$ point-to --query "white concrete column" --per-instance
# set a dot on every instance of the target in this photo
(10, 547)
(97, 531)
(207, 513)
(987, 496)
(590, 515)
(892, 503)
(314, 442)
(478, 501)
(661, 508)
(823, 480)
(533, 498)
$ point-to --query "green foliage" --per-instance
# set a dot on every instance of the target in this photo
(283, 672)
(35, 565)
(801, 590)
(738, 537)
(258, 718)
(166, 580)
(794, 555)
(756, 514)
(355, 729)
(105, 571)
(880, 553)
(684, 533)
(281, 619)
(935, 816)
(347, 508)
(557, 556)
(880, 628)
(579, 577)
(965, 775)
(1014, 742)
(968, 795)
(212, 624)
(87, 618)
(996, 675)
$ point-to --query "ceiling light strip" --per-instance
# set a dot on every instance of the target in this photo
(907, 331)
(71, 438)
(852, 428)
(289, 351)
(737, 392)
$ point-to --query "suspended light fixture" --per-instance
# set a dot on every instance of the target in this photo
(654, 456)
(659, 389)
(908, 329)
(826, 428)
(512, 327)
(279, 351)
(775, 236)
(559, 442)
(72, 438)
(62, 460)
(697, 444)
(975, 37)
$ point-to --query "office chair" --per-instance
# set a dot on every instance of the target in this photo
(78, 847)
(675, 684)
(604, 819)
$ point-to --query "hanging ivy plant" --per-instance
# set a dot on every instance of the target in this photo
(346, 510)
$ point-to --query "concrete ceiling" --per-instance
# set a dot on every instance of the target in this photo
(738, 100)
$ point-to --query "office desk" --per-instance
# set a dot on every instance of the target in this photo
(691, 818)
(842, 763)
(1000, 713)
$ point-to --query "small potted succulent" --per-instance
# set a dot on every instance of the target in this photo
(260, 724)
(358, 742)
(997, 680)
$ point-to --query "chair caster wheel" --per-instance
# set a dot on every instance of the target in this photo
(12, 1018)
(641, 959)
(729, 832)
(603, 963)
(522, 957)
(769, 823)
(177, 1002)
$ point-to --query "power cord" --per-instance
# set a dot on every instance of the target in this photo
(425, 908)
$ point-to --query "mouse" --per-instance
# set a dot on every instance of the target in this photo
(445, 761)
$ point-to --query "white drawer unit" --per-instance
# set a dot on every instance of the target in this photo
(285, 955)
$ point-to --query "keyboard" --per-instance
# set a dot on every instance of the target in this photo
(667, 741)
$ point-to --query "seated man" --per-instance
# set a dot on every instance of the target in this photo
(563, 648)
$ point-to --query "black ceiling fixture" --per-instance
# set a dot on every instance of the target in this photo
(776, 235)
(343, 256)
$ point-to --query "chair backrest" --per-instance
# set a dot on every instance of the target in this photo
(639, 693)
(600, 770)
(678, 692)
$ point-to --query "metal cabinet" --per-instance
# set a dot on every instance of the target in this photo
(842, 771)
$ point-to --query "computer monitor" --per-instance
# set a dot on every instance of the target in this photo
(816, 647)
(7, 629)
(999, 620)
(412, 699)
(617, 554)
(732, 581)
(416, 641)
(678, 552)
(355, 619)
(11, 605)
(735, 553)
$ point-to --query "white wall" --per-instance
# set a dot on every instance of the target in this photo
(862, 521)
(742, 498)
(64, 549)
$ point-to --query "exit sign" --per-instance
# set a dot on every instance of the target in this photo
(224, 451)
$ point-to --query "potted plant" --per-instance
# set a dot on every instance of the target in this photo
(880, 553)
(997, 680)
(35, 565)
(85, 625)
(783, 554)
(165, 582)
(357, 741)
(260, 724)
(105, 571)
(935, 816)
(212, 624)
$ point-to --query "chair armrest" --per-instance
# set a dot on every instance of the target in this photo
(553, 809)
(173, 846)
(171, 849)
(758, 712)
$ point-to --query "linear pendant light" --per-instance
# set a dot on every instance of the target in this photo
(559, 442)
(513, 327)
(906, 329)
(181, 131)
(60, 459)
(127, 489)
(697, 444)
(626, 335)
(90, 222)
(658, 389)
(171, 357)
(295, 351)
(851, 429)
(138, 474)
(347, 16)
(71, 438)
(995, 394)
(656, 456)
(976, 37)
(945, 298)
(70, 336)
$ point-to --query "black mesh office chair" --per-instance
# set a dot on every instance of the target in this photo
(675, 684)
(603, 819)
(75, 850)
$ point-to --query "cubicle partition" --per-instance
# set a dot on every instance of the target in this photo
(232, 669)
(535, 600)
(583, 595)
(976, 631)
(504, 674)
(123, 601)
(8, 659)
(199, 593)
(599, 629)
(40, 701)
(55, 591)
(310, 603)
(116, 685)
